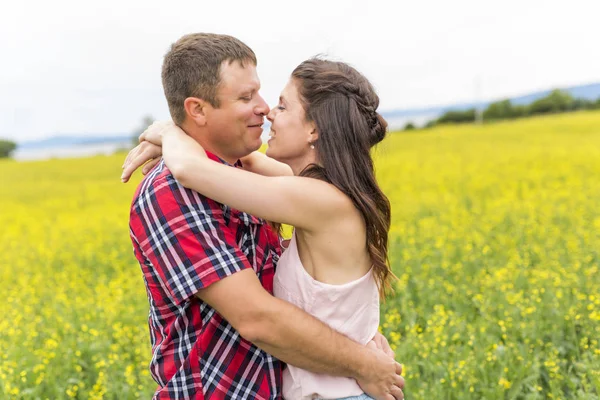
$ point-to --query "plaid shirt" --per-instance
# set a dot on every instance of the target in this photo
(185, 242)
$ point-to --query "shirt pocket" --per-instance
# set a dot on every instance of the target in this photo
(239, 219)
(247, 219)
(248, 230)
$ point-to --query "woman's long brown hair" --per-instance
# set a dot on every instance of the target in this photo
(342, 104)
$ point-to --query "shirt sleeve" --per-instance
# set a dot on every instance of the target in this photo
(185, 238)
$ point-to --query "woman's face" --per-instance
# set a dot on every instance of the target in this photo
(291, 135)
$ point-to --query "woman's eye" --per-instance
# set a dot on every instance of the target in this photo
(280, 107)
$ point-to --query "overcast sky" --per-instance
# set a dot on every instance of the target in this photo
(85, 68)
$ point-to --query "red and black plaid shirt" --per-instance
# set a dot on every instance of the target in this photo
(185, 242)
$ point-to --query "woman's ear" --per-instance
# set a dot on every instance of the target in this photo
(313, 136)
(195, 109)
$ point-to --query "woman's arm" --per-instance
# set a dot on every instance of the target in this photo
(259, 163)
(302, 202)
(148, 153)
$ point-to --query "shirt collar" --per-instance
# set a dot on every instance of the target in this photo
(218, 159)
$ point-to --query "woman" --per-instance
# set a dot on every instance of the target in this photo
(335, 266)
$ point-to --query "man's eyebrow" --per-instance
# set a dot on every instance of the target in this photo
(247, 91)
(250, 89)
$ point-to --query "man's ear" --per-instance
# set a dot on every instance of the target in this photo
(195, 109)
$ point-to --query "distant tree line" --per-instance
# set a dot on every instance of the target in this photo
(6, 148)
(557, 101)
(147, 120)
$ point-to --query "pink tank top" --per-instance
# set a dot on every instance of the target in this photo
(351, 309)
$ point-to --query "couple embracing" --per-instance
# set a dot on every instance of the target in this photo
(236, 312)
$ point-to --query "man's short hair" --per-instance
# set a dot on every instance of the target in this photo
(192, 66)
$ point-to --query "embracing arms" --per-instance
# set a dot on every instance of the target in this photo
(186, 233)
(302, 202)
(299, 339)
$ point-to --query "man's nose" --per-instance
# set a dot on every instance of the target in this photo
(262, 107)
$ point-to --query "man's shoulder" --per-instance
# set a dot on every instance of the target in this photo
(154, 182)
(160, 185)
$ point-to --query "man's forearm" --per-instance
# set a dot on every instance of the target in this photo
(299, 339)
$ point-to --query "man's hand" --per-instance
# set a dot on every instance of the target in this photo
(382, 344)
(383, 380)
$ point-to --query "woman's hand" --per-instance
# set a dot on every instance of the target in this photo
(138, 156)
(149, 149)
(156, 132)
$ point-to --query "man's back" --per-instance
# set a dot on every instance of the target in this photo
(185, 242)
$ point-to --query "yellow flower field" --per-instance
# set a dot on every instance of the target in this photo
(495, 240)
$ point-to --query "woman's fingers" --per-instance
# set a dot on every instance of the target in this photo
(149, 165)
(131, 153)
(154, 132)
(143, 152)
(149, 130)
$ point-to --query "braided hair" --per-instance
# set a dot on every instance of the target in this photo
(342, 104)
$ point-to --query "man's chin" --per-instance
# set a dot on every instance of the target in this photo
(256, 145)
(249, 149)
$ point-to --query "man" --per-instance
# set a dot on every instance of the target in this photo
(217, 332)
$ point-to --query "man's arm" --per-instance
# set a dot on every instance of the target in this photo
(297, 338)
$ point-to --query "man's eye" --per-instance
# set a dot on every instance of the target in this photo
(246, 98)
(281, 108)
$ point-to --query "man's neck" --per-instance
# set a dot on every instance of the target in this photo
(196, 134)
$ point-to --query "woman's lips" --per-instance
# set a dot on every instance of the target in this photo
(271, 136)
